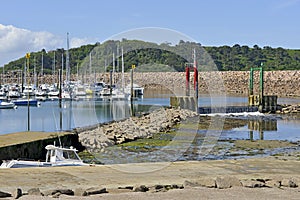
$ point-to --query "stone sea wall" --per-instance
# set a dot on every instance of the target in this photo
(281, 83)
(105, 135)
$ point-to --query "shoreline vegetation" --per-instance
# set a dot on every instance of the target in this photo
(226, 58)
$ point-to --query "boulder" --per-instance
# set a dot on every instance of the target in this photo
(289, 183)
(17, 193)
(95, 190)
(273, 183)
(227, 182)
(58, 192)
(34, 191)
(4, 194)
(141, 188)
(253, 183)
(205, 182)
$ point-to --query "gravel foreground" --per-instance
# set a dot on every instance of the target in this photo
(259, 178)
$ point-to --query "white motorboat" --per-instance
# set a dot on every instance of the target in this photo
(7, 105)
(79, 91)
(55, 157)
(29, 90)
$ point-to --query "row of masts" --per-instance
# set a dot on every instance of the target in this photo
(38, 78)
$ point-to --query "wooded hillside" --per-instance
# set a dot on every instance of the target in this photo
(226, 58)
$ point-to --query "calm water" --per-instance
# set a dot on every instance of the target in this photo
(50, 117)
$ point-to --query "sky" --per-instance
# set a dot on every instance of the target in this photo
(32, 25)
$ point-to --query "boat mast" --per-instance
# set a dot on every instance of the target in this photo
(62, 66)
(67, 61)
(34, 73)
(24, 76)
(113, 79)
(90, 69)
(123, 83)
(53, 70)
(42, 68)
(118, 54)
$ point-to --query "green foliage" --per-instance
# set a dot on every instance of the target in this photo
(163, 57)
(242, 57)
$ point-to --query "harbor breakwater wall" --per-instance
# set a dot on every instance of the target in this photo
(109, 134)
(280, 83)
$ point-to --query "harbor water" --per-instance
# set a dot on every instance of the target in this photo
(52, 116)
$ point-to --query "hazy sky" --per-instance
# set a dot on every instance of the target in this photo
(32, 25)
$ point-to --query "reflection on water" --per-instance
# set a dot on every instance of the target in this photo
(269, 127)
(261, 126)
(50, 116)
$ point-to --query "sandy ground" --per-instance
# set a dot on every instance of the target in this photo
(149, 174)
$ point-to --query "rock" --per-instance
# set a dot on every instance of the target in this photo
(222, 183)
(205, 182)
(34, 191)
(159, 188)
(17, 193)
(4, 194)
(126, 188)
(289, 183)
(141, 188)
(95, 190)
(273, 183)
(188, 184)
(227, 182)
(80, 192)
(58, 192)
(252, 184)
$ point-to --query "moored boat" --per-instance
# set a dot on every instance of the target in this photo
(24, 102)
(7, 105)
(55, 157)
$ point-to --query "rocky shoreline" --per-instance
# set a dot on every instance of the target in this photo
(288, 109)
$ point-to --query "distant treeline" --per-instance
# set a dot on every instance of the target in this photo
(226, 58)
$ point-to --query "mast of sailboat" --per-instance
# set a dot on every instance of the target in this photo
(67, 61)
(77, 72)
(90, 69)
(42, 68)
(24, 76)
(105, 63)
(113, 72)
(123, 83)
(62, 67)
(53, 70)
(118, 54)
(34, 73)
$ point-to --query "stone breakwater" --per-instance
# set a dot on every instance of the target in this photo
(280, 83)
(288, 109)
(105, 135)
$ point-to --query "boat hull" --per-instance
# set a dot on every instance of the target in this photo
(7, 105)
(29, 164)
(32, 102)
